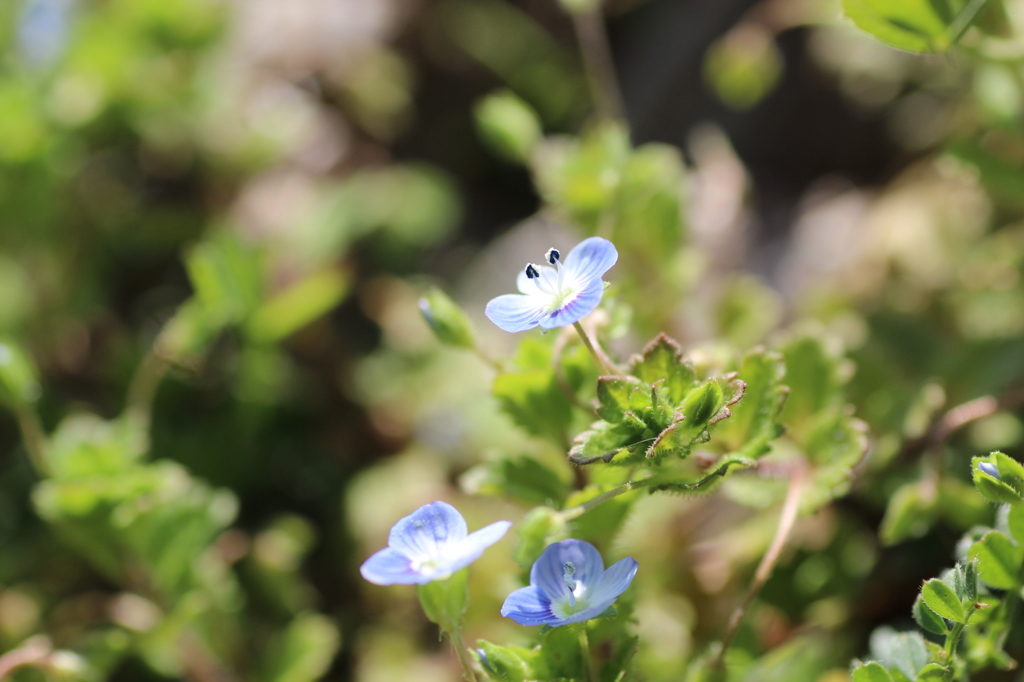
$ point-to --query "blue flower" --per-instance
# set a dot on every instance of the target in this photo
(557, 293)
(990, 469)
(568, 584)
(430, 544)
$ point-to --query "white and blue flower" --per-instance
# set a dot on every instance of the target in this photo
(430, 544)
(569, 584)
(558, 293)
(990, 469)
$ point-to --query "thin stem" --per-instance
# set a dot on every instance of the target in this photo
(573, 512)
(144, 384)
(588, 660)
(603, 363)
(460, 651)
(951, 640)
(598, 63)
(963, 20)
(35, 652)
(563, 383)
(34, 437)
(764, 570)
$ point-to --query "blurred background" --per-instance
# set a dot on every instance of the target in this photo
(217, 217)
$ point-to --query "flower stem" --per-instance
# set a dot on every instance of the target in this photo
(603, 363)
(588, 661)
(598, 63)
(460, 650)
(579, 510)
(764, 569)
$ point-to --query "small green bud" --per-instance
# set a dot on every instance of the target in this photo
(18, 383)
(447, 320)
(508, 125)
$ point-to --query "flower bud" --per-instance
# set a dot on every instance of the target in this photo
(447, 320)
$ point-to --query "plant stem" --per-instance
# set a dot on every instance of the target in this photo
(598, 63)
(603, 363)
(588, 660)
(579, 510)
(951, 640)
(786, 522)
(963, 20)
(460, 651)
(34, 437)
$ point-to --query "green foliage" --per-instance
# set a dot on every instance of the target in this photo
(870, 672)
(448, 322)
(523, 479)
(304, 650)
(914, 25)
(508, 125)
(444, 601)
(19, 385)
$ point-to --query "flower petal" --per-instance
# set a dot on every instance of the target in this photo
(470, 549)
(529, 606)
(613, 583)
(390, 566)
(575, 308)
(548, 571)
(590, 259)
(516, 312)
(426, 532)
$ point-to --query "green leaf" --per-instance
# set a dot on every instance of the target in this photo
(941, 599)
(226, 276)
(617, 395)
(911, 25)
(540, 527)
(1015, 520)
(703, 403)
(928, 619)
(999, 560)
(84, 445)
(933, 672)
(508, 125)
(560, 650)
(992, 488)
(872, 671)
(755, 419)
(531, 394)
(816, 373)
(300, 304)
(444, 601)
(662, 360)
(304, 651)
(1011, 472)
(910, 512)
(505, 664)
(19, 385)
(522, 478)
(447, 320)
(743, 66)
(648, 211)
(905, 651)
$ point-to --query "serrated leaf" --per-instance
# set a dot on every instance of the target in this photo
(617, 395)
(662, 360)
(521, 478)
(928, 619)
(905, 651)
(872, 671)
(755, 419)
(703, 403)
(816, 373)
(999, 560)
(942, 599)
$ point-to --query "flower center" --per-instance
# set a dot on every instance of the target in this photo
(574, 599)
(555, 287)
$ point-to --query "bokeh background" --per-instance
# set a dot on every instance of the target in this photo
(217, 217)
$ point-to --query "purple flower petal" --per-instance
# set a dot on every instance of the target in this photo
(427, 531)
(389, 566)
(516, 312)
(528, 606)
(613, 583)
(549, 570)
(470, 549)
(576, 308)
(590, 260)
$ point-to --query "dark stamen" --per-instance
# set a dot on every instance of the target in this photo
(531, 272)
(552, 256)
